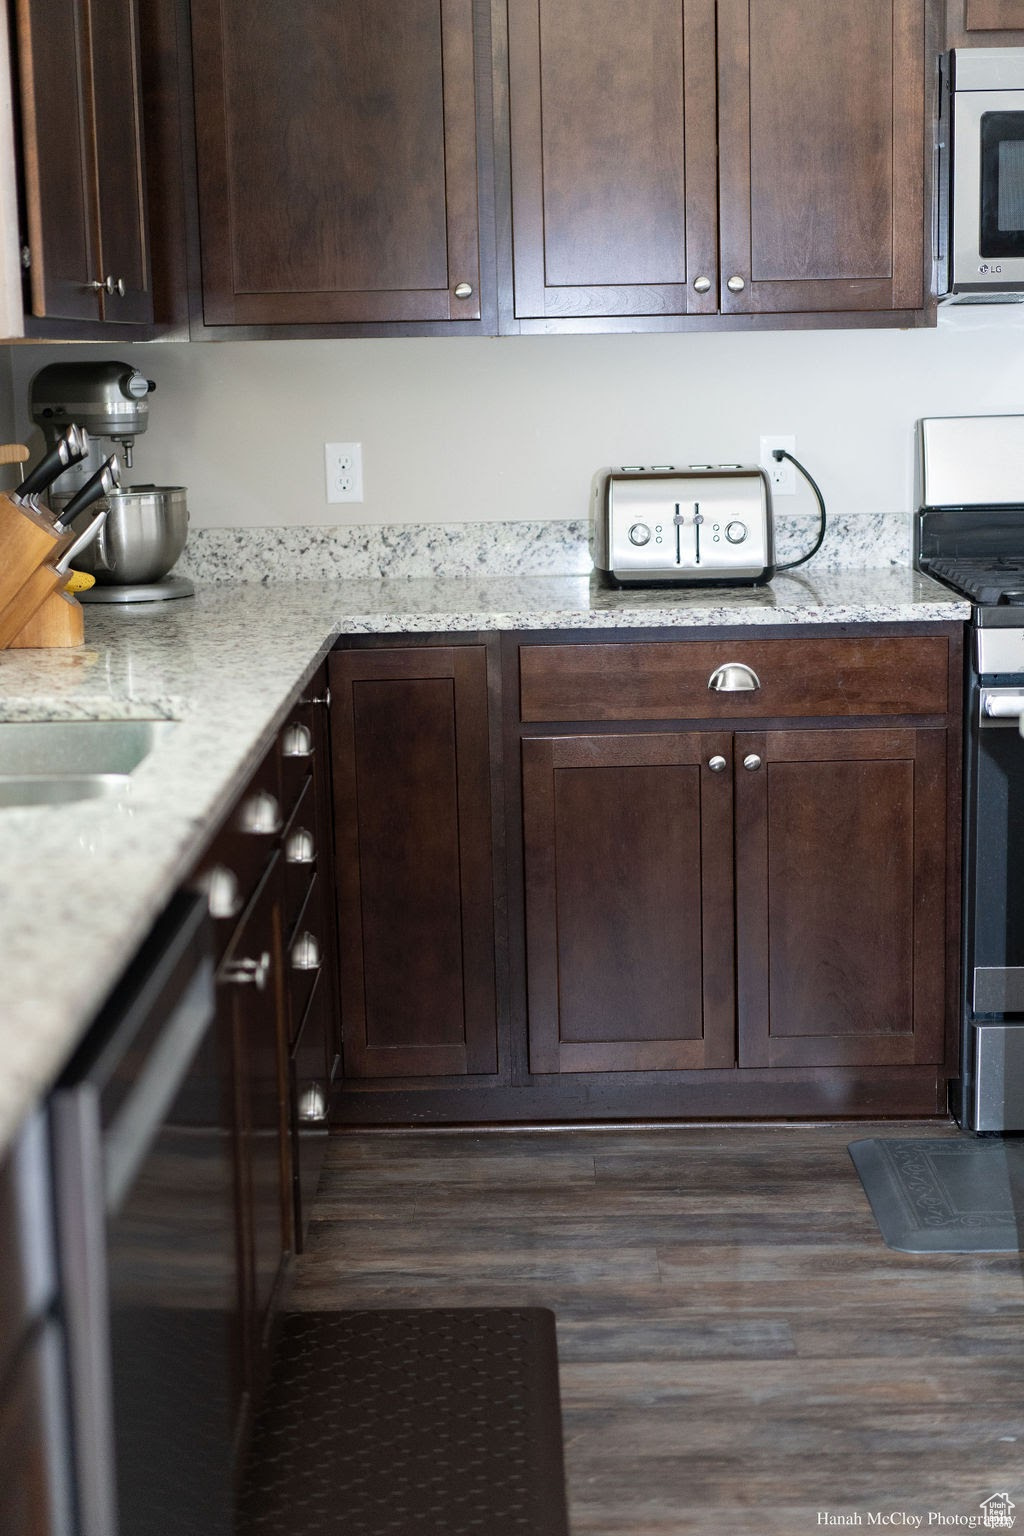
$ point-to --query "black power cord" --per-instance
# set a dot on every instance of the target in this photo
(779, 454)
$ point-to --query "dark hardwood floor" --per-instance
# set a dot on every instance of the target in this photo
(740, 1352)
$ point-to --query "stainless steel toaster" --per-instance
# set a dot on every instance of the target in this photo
(682, 526)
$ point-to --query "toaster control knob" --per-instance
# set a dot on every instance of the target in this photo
(736, 532)
(639, 534)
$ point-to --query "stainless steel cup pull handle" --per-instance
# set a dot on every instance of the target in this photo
(300, 847)
(298, 741)
(733, 677)
(312, 1108)
(248, 972)
(306, 953)
(223, 893)
(261, 815)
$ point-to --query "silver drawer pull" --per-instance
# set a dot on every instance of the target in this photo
(244, 973)
(312, 1106)
(297, 742)
(305, 953)
(223, 893)
(751, 762)
(733, 677)
(300, 847)
(261, 815)
(717, 764)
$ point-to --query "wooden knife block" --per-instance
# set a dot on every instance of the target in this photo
(60, 621)
(33, 611)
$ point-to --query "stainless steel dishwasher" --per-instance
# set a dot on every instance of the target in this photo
(144, 1181)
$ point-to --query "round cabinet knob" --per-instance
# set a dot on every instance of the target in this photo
(248, 973)
(701, 284)
(300, 847)
(735, 283)
(639, 534)
(261, 815)
(96, 287)
(325, 701)
(463, 290)
(115, 285)
(736, 532)
(223, 894)
(312, 1106)
(717, 764)
(297, 741)
(751, 762)
(305, 953)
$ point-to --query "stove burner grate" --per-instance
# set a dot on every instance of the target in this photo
(990, 582)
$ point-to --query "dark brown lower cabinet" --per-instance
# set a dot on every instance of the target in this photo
(833, 845)
(629, 902)
(250, 985)
(414, 861)
(841, 897)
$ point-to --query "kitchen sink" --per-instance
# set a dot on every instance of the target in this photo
(52, 762)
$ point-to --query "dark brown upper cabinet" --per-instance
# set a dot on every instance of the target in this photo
(664, 168)
(79, 91)
(821, 155)
(612, 106)
(984, 23)
(337, 161)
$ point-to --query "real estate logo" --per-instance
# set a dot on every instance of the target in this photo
(997, 1512)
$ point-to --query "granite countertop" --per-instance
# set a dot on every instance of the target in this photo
(81, 884)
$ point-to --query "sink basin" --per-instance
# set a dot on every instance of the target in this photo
(52, 762)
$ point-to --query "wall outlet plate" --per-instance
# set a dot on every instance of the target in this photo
(343, 464)
(781, 472)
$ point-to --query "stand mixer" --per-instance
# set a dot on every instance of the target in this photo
(147, 525)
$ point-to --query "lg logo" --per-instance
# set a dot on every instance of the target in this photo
(986, 268)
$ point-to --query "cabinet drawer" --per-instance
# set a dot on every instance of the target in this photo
(304, 958)
(300, 859)
(666, 680)
(296, 746)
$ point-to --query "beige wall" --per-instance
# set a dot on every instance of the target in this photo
(513, 427)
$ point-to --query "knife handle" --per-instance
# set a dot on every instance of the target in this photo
(70, 448)
(106, 479)
(13, 453)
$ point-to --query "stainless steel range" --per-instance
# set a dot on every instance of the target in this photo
(970, 536)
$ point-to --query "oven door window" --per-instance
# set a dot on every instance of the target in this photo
(1002, 184)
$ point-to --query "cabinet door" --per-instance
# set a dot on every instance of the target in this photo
(337, 160)
(124, 238)
(840, 897)
(613, 157)
(994, 15)
(821, 154)
(58, 153)
(413, 838)
(250, 978)
(629, 902)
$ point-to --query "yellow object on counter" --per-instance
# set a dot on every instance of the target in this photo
(79, 581)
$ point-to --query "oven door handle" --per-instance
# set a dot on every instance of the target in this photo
(1001, 706)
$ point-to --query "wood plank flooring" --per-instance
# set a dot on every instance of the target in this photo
(740, 1353)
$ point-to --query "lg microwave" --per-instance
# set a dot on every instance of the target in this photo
(981, 245)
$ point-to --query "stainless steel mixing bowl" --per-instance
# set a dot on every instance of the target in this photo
(143, 536)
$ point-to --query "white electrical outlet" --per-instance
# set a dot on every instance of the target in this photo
(344, 465)
(780, 471)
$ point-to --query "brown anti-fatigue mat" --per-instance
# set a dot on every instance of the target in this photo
(432, 1423)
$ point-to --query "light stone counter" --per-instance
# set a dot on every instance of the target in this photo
(80, 885)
